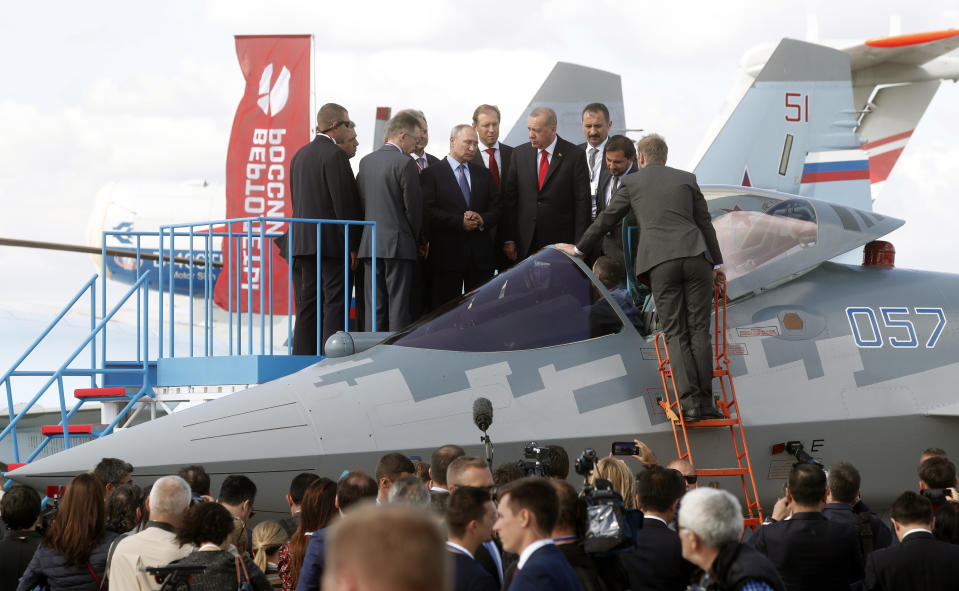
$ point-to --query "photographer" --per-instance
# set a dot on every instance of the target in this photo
(566, 536)
(937, 481)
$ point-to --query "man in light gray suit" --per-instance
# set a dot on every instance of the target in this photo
(679, 252)
(390, 194)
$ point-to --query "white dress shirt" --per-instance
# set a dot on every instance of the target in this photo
(528, 551)
(496, 155)
(594, 178)
(550, 150)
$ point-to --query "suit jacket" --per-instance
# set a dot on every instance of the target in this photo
(603, 171)
(559, 212)
(657, 562)
(469, 575)
(674, 221)
(505, 156)
(450, 245)
(881, 534)
(391, 196)
(612, 243)
(811, 552)
(16, 551)
(919, 562)
(546, 568)
(322, 186)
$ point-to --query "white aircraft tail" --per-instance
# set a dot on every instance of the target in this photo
(800, 102)
(567, 89)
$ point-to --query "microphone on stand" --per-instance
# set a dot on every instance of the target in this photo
(483, 418)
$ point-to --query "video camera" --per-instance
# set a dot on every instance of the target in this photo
(607, 527)
(535, 460)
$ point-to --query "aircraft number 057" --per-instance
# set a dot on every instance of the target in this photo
(895, 320)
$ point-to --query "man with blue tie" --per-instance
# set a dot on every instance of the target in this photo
(462, 206)
(469, 520)
(527, 513)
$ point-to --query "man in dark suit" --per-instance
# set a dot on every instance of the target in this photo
(547, 191)
(657, 562)
(809, 551)
(469, 520)
(390, 193)
(596, 126)
(462, 206)
(322, 186)
(679, 252)
(475, 472)
(620, 160)
(920, 561)
(496, 157)
(842, 502)
(422, 269)
(527, 513)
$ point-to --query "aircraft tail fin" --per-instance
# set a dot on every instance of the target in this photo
(800, 102)
(567, 89)
(891, 116)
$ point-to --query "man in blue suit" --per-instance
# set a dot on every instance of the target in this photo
(469, 519)
(527, 513)
(810, 551)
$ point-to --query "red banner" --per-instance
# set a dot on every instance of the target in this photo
(272, 122)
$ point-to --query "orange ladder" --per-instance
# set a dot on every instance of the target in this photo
(727, 404)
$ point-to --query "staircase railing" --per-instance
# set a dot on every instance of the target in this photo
(56, 376)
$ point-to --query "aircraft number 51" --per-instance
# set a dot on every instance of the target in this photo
(897, 319)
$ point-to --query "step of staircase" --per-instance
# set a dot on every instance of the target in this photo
(110, 394)
(57, 430)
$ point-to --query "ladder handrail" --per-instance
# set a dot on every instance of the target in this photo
(58, 374)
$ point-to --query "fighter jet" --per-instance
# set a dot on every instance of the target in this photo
(855, 362)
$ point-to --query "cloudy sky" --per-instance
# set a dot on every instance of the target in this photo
(96, 92)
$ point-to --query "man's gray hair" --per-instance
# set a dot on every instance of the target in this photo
(550, 115)
(458, 128)
(712, 514)
(410, 490)
(653, 146)
(402, 121)
(414, 112)
(170, 495)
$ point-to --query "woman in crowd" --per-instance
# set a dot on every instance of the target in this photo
(209, 527)
(123, 509)
(268, 538)
(74, 554)
(615, 471)
(316, 512)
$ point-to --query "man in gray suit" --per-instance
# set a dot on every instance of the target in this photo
(390, 193)
(679, 252)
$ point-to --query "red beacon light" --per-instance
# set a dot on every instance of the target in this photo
(879, 253)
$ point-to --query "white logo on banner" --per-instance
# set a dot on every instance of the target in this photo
(272, 100)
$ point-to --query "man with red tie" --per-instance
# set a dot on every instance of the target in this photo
(496, 157)
(546, 196)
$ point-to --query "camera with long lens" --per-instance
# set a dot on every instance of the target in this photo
(535, 460)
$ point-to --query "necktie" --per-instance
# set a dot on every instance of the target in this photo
(543, 168)
(493, 167)
(421, 163)
(612, 190)
(464, 186)
(592, 161)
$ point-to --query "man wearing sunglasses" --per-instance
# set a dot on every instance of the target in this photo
(322, 186)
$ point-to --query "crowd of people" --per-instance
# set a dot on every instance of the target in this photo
(460, 526)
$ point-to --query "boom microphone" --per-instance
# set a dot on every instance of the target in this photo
(482, 413)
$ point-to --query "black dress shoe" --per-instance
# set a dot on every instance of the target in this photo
(691, 415)
(711, 412)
